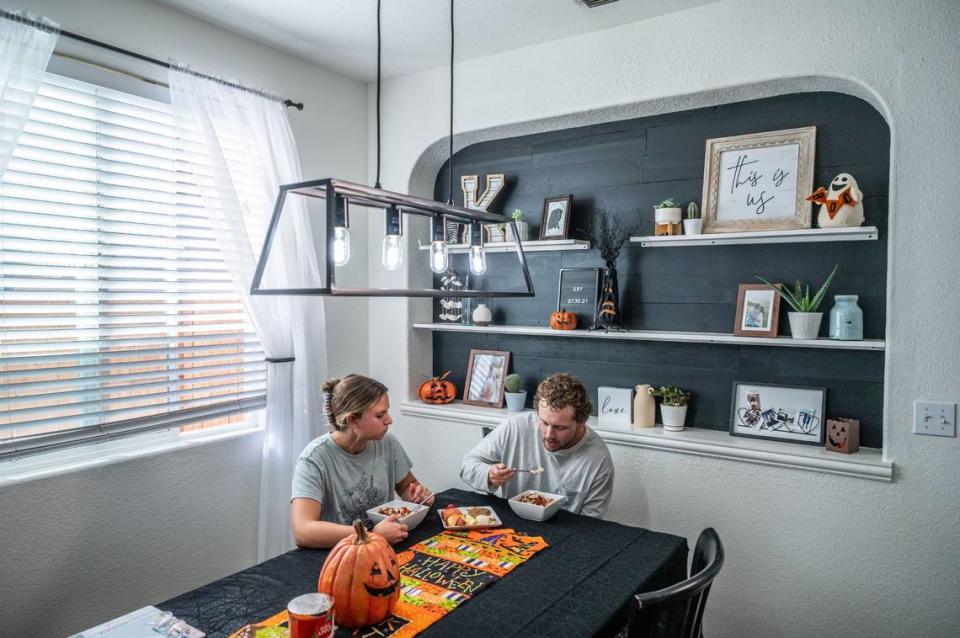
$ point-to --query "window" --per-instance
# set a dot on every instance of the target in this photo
(117, 313)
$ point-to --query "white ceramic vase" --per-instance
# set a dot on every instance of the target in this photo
(805, 325)
(523, 229)
(667, 215)
(673, 417)
(515, 400)
(692, 226)
(482, 315)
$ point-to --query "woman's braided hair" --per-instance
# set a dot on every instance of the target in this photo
(351, 395)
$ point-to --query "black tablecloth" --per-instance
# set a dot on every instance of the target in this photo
(579, 586)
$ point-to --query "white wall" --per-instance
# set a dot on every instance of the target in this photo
(808, 554)
(81, 548)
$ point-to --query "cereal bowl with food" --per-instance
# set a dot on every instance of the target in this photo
(535, 505)
(410, 514)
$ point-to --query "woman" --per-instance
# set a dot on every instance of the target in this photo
(355, 467)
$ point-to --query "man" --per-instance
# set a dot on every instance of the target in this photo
(575, 460)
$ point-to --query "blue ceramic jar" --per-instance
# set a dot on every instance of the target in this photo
(846, 319)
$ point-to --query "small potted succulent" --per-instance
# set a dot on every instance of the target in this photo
(804, 320)
(673, 406)
(523, 228)
(667, 212)
(515, 394)
(692, 224)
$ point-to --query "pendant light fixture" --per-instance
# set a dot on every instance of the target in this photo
(340, 195)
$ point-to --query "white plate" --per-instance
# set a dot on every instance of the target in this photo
(494, 519)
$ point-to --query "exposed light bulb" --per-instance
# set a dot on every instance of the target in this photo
(392, 257)
(341, 246)
(478, 260)
(439, 257)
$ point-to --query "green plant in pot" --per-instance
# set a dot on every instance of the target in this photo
(515, 394)
(667, 212)
(523, 228)
(804, 320)
(692, 223)
(673, 406)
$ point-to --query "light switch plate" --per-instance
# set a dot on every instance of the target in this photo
(935, 419)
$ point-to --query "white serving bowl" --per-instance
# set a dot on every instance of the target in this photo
(411, 520)
(533, 512)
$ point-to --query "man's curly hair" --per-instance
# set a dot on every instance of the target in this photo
(561, 390)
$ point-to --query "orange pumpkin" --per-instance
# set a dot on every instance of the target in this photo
(563, 320)
(362, 575)
(438, 390)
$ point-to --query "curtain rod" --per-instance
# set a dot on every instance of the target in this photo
(146, 58)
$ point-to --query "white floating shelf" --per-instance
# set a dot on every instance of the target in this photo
(660, 335)
(532, 246)
(860, 233)
(868, 463)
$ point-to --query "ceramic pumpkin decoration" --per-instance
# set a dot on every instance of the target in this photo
(563, 320)
(362, 575)
(438, 390)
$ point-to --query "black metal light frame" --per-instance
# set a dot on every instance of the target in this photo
(341, 193)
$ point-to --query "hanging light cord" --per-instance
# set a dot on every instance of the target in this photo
(450, 150)
(377, 184)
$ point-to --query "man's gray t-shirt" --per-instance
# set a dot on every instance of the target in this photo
(582, 473)
(347, 485)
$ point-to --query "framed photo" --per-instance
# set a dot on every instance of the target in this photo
(758, 181)
(758, 311)
(778, 412)
(485, 374)
(555, 221)
(577, 293)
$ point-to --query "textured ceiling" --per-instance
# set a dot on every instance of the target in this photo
(341, 34)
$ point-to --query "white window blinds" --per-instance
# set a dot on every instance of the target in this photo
(116, 311)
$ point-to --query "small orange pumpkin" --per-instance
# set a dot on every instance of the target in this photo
(362, 575)
(563, 320)
(438, 390)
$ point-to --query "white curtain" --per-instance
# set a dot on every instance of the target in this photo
(25, 50)
(240, 148)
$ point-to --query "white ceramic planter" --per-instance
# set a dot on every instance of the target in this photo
(515, 400)
(805, 325)
(673, 417)
(667, 215)
(692, 226)
(482, 316)
(523, 229)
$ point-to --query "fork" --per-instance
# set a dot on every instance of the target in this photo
(423, 500)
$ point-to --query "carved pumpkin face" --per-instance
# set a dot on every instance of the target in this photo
(563, 320)
(838, 434)
(362, 575)
(438, 390)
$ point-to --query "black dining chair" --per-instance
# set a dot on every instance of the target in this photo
(677, 611)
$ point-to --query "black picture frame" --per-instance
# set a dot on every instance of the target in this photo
(586, 310)
(565, 203)
(753, 412)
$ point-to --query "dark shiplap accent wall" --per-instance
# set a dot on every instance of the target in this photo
(627, 167)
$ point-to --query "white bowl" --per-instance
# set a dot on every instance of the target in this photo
(533, 512)
(411, 520)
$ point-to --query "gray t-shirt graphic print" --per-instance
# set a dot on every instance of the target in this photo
(347, 485)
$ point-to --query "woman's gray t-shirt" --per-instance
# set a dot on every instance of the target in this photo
(347, 485)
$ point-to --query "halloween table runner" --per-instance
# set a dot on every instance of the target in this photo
(436, 576)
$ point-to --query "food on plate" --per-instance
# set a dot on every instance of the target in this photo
(467, 516)
(535, 499)
(399, 511)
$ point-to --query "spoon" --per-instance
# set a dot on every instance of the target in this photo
(536, 470)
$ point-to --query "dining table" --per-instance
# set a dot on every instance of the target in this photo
(581, 585)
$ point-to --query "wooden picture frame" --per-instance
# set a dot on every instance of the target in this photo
(555, 219)
(486, 373)
(581, 302)
(758, 311)
(758, 181)
(779, 412)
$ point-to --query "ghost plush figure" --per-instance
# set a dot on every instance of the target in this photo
(841, 204)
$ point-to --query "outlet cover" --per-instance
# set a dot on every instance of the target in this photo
(935, 419)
